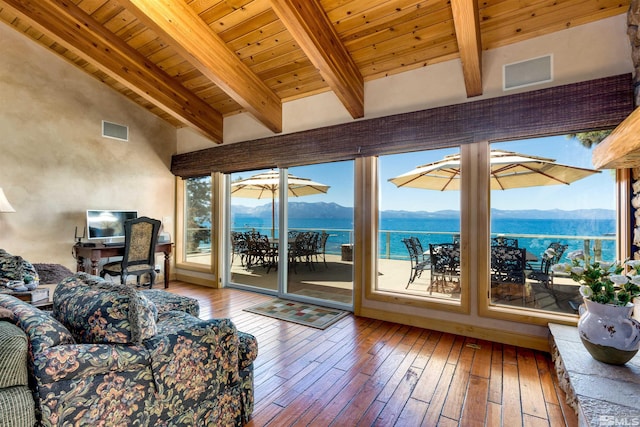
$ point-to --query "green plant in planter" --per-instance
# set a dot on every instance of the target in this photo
(601, 281)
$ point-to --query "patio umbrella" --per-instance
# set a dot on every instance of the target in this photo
(267, 185)
(508, 170)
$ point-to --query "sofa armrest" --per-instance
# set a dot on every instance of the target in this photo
(193, 359)
(248, 351)
(75, 361)
(42, 330)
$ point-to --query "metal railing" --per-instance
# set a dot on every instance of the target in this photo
(391, 246)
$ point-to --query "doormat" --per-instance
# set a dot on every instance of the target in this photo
(297, 312)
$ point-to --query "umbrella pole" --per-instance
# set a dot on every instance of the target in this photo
(273, 214)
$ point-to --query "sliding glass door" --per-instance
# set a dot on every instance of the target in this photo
(320, 232)
(296, 243)
(253, 214)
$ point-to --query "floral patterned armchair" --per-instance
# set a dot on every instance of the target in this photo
(107, 357)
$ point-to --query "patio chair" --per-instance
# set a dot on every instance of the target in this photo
(445, 266)
(302, 250)
(504, 241)
(508, 265)
(238, 246)
(551, 256)
(261, 252)
(320, 247)
(418, 264)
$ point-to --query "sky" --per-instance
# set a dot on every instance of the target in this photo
(596, 191)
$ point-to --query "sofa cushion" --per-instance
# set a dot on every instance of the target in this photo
(13, 355)
(167, 301)
(97, 311)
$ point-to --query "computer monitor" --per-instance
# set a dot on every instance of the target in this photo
(107, 224)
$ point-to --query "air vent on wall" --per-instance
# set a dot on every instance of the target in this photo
(527, 73)
(115, 131)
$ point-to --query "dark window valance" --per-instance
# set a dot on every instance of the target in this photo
(592, 105)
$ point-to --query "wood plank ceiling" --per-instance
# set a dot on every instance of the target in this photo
(193, 62)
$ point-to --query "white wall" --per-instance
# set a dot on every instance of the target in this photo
(55, 164)
(580, 53)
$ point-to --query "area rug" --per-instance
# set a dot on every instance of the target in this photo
(297, 312)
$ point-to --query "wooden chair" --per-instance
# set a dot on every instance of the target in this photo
(140, 239)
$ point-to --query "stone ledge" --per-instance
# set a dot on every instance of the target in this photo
(594, 389)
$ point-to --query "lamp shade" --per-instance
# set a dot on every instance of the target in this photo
(5, 206)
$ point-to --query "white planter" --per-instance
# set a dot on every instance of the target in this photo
(608, 332)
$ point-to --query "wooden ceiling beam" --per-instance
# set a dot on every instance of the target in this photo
(467, 24)
(178, 24)
(621, 149)
(70, 26)
(310, 27)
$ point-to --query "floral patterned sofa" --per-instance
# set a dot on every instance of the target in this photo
(106, 356)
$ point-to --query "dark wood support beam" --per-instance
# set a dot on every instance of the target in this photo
(70, 26)
(312, 30)
(180, 26)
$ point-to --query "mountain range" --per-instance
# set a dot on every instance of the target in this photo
(334, 210)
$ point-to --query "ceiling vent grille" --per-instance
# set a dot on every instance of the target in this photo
(527, 73)
(115, 131)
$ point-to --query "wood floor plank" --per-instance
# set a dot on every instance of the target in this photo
(511, 403)
(366, 372)
(475, 403)
(439, 396)
(427, 383)
(494, 414)
(495, 381)
(459, 385)
(530, 389)
(545, 371)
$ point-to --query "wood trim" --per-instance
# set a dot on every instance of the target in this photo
(591, 105)
(489, 334)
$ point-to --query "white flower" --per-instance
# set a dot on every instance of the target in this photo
(619, 279)
(605, 265)
(586, 291)
(549, 253)
(578, 271)
(635, 280)
(573, 255)
(562, 267)
(633, 263)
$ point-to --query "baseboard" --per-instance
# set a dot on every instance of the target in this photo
(196, 280)
(496, 335)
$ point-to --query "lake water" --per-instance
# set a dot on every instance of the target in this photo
(533, 234)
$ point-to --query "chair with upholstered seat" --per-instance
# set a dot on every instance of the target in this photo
(140, 238)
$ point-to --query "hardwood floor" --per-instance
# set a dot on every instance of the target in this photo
(364, 372)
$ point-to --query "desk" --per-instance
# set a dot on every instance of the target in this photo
(96, 253)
